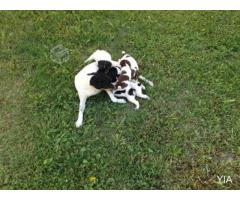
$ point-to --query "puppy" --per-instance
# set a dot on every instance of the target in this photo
(134, 68)
(95, 77)
(105, 76)
(127, 85)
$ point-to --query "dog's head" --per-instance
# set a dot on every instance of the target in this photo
(104, 65)
(128, 60)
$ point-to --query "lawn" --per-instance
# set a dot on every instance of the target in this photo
(185, 137)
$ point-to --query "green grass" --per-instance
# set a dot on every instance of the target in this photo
(183, 138)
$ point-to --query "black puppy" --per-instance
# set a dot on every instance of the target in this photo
(105, 76)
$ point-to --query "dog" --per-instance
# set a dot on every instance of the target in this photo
(104, 74)
(96, 77)
(127, 85)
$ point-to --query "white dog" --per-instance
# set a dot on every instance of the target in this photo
(84, 87)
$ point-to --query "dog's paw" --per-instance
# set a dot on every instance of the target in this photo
(144, 96)
(136, 108)
(151, 83)
(147, 97)
(78, 124)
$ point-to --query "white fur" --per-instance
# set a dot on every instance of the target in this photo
(99, 55)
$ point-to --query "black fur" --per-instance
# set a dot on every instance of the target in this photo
(104, 65)
(112, 73)
(120, 92)
(101, 81)
(105, 76)
(130, 92)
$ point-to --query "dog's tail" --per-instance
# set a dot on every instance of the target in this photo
(146, 80)
(124, 54)
(99, 55)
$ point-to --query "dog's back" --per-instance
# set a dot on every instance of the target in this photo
(99, 55)
(82, 80)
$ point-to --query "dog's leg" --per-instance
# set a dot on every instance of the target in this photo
(146, 80)
(81, 110)
(114, 99)
(140, 94)
(138, 88)
(131, 98)
(143, 87)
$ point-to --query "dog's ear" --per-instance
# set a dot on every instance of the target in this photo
(104, 65)
(124, 63)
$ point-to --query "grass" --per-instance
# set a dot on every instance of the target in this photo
(183, 138)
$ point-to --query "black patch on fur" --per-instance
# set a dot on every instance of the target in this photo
(139, 84)
(90, 74)
(119, 97)
(130, 92)
(120, 92)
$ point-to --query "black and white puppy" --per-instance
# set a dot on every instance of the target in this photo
(127, 84)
